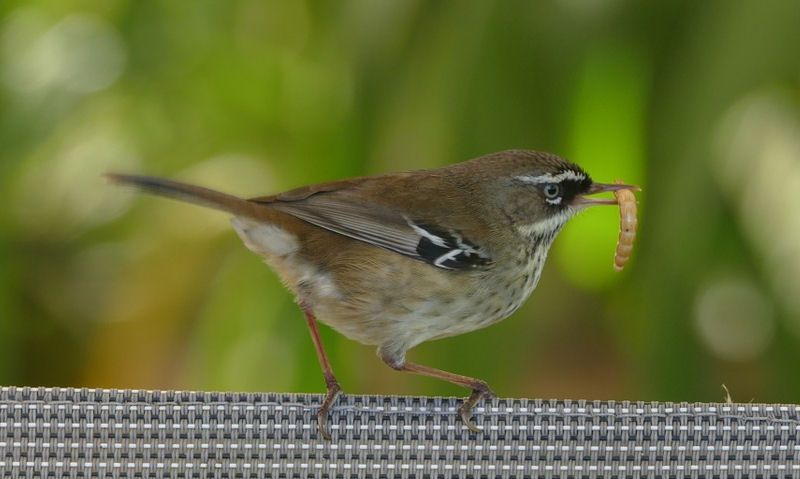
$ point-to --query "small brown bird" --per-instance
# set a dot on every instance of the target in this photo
(396, 260)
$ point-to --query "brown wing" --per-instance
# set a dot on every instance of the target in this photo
(356, 209)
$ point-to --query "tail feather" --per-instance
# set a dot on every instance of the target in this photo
(190, 193)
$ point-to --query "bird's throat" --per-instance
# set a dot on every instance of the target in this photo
(544, 231)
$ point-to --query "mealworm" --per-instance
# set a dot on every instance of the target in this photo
(627, 227)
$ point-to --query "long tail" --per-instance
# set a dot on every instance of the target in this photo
(192, 194)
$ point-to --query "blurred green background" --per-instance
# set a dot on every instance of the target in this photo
(698, 102)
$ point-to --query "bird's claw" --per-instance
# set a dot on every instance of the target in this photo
(322, 414)
(466, 418)
(465, 410)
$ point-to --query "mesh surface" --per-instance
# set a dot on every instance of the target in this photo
(48, 432)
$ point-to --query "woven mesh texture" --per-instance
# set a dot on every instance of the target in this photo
(49, 432)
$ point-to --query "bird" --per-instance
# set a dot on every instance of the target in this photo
(399, 259)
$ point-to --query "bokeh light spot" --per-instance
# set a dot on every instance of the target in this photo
(757, 165)
(64, 192)
(734, 319)
(80, 54)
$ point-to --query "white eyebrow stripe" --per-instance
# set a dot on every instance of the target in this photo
(549, 178)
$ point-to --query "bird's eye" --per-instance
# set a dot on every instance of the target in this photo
(551, 191)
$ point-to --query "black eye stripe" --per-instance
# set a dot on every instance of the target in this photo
(572, 188)
(567, 189)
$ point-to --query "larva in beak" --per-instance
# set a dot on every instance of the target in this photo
(627, 226)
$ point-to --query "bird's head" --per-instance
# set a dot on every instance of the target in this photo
(539, 192)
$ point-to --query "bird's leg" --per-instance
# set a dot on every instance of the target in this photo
(480, 389)
(330, 380)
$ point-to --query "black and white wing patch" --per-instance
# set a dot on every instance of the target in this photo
(386, 228)
(448, 249)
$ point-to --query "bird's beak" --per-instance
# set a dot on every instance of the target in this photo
(582, 201)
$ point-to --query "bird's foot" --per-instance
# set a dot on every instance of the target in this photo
(479, 391)
(322, 414)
